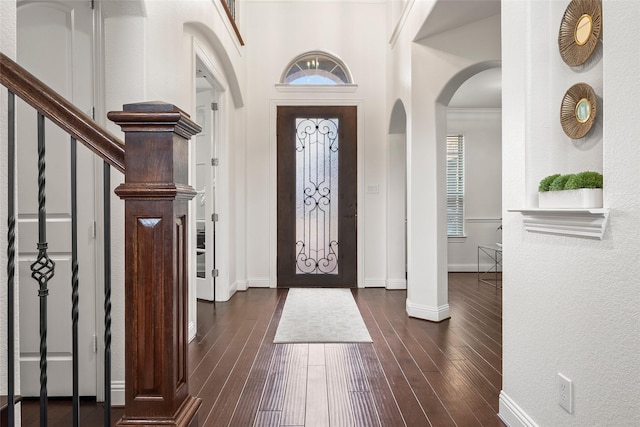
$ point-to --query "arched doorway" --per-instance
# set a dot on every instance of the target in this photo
(427, 240)
(397, 199)
(474, 126)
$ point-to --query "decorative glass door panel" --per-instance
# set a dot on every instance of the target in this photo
(317, 196)
(316, 191)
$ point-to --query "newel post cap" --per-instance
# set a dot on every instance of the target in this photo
(154, 116)
(156, 153)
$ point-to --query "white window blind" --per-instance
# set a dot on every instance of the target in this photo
(455, 185)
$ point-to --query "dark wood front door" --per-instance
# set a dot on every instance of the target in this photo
(317, 194)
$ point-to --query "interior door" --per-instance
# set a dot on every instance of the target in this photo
(54, 41)
(317, 195)
(205, 187)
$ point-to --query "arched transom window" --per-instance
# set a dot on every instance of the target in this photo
(316, 68)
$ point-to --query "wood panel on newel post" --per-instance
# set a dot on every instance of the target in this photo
(156, 195)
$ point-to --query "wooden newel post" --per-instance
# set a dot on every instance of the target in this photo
(156, 195)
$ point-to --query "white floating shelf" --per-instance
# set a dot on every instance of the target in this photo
(588, 223)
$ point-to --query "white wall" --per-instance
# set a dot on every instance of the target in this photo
(482, 130)
(277, 32)
(8, 47)
(145, 59)
(548, 78)
(150, 55)
(397, 212)
(424, 74)
(571, 305)
(122, 85)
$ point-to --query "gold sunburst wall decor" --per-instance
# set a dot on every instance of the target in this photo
(578, 110)
(580, 31)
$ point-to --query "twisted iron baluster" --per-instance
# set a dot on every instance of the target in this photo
(107, 292)
(42, 270)
(11, 261)
(74, 281)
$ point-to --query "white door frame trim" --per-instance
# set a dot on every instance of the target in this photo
(208, 59)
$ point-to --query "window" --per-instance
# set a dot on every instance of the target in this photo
(455, 185)
(316, 68)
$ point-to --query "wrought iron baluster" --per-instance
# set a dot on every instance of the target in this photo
(74, 280)
(107, 292)
(11, 259)
(42, 270)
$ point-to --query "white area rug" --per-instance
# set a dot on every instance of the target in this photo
(320, 315)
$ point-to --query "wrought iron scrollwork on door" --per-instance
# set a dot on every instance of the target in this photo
(316, 184)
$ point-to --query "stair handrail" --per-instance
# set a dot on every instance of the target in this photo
(61, 112)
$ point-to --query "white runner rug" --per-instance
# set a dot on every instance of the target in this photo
(320, 315)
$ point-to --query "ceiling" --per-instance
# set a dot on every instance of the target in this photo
(483, 90)
(450, 14)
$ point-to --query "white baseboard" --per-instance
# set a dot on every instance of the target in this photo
(434, 314)
(241, 285)
(204, 290)
(512, 414)
(192, 331)
(468, 268)
(396, 284)
(258, 282)
(374, 283)
(227, 294)
(117, 393)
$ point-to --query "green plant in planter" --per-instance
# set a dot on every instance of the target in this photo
(560, 182)
(586, 179)
(546, 182)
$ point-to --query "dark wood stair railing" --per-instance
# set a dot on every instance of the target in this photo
(61, 112)
(154, 160)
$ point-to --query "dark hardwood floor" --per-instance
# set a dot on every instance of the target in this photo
(415, 373)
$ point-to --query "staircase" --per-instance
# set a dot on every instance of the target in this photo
(156, 193)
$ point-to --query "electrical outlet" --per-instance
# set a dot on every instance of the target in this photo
(565, 393)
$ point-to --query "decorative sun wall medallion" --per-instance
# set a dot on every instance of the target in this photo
(578, 110)
(580, 31)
